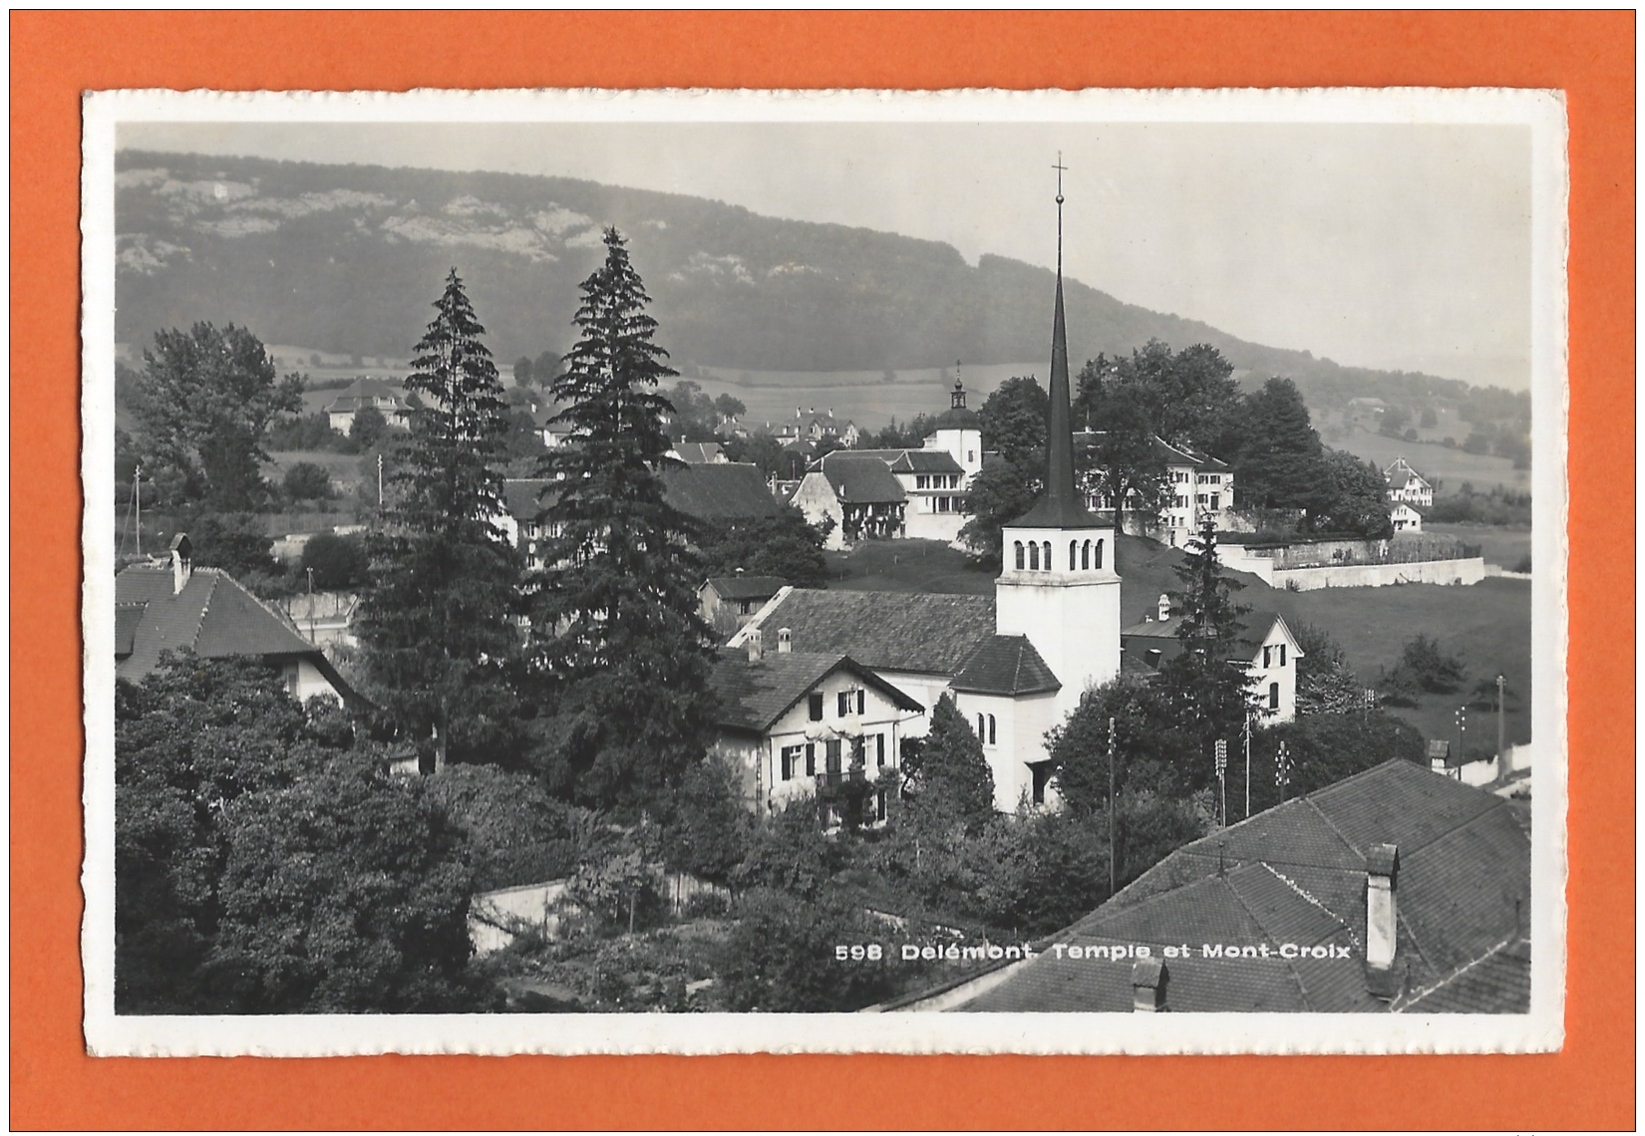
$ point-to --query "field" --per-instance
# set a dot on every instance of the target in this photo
(1446, 467)
(1499, 544)
(1488, 624)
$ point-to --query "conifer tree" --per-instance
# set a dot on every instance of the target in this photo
(615, 617)
(436, 623)
(951, 777)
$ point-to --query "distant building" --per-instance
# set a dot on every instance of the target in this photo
(368, 392)
(859, 494)
(796, 723)
(958, 433)
(1395, 890)
(698, 453)
(1366, 412)
(325, 619)
(1198, 488)
(178, 607)
(1407, 485)
(726, 603)
(1267, 647)
(1405, 518)
(810, 426)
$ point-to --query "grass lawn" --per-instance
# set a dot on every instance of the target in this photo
(907, 566)
(1488, 625)
(1505, 545)
(1450, 467)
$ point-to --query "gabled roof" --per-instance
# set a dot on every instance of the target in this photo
(862, 481)
(897, 631)
(718, 491)
(1161, 635)
(1296, 874)
(754, 695)
(1167, 453)
(746, 587)
(1006, 665)
(213, 616)
(926, 461)
(523, 497)
(697, 453)
(364, 392)
(1399, 477)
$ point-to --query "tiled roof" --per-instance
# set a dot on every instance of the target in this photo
(747, 587)
(926, 461)
(1006, 664)
(697, 453)
(718, 491)
(1296, 874)
(858, 480)
(127, 618)
(213, 616)
(1161, 635)
(523, 497)
(899, 631)
(754, 695)
(364, 392)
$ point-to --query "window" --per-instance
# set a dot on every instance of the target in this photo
(862, 701)
(1273, 696)
(1097, 563)
(1019, 555)
(879, 745)
(982, 733)
(1033, 556)
(879, 805)
(1048, 556)
(1042, 777)
(992, 739)
(815, 705)
(1267, 656)
(1216, 500)
(1085, 555)
(843, 702)
(832, 755)
(791, 759)
(921, 481)
(1282, 654)
(810, 759)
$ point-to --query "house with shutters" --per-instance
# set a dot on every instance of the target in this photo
(1198, 487)
(1396, 890)
(1406, 485)
(174, 606)
(933, 487)
(858, 494)
(375, 393)
(728, 602)
(795, 724)
(1267, 648)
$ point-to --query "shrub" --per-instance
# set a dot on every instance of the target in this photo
(306, 481)
(338, 562)
(1431, 668)
(780, 956)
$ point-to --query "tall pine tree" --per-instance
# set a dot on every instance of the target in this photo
(615, 617)
(436, 625)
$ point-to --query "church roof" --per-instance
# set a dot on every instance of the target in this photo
(1296, 874)
(1061, 506)
(1006, 665)
(754, 695)
(920, 632)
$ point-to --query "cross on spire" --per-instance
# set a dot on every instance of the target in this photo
(1061, 169)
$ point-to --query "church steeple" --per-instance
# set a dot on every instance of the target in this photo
(1060, 506)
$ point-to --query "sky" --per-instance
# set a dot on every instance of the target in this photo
(1404, 247)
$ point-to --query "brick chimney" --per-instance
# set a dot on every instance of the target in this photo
(1149, 978)
(182, 562)
(1381, 906)
(785, 641)
(756, 646)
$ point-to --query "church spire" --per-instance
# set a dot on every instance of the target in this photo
(1061, 506)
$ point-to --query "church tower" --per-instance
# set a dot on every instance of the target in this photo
(1058, 586)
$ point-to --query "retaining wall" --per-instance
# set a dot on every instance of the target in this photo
(1469, 571)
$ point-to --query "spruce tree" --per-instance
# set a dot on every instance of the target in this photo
(615, 617)
(951, 778)
(435, 626)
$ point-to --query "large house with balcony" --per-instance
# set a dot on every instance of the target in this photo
(1407, 485)
(796, 724)
(1198, 487)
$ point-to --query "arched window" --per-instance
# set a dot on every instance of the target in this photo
(982, 734)
(1019, 555)
(1033, 555)
(1097, 563)
(1073, 545)
(991, 735)
(1048, 556)
(1085, 555)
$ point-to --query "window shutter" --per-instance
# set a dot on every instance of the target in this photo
(862, 701)
(810, 759)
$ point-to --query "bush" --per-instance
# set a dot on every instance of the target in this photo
(338, 562)
(306, 481)
(780, 957)
(1430, 668)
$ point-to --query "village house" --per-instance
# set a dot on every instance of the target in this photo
(1016, 662)
(374, 393)
(1365, 412)
(1199, 487)
(1395, 890)
(1266, 646)
(958, 433)
(698, 453)
(796, 724)
(1407, 485)
(726, 603)
(859, 495)
(1405, 518)
(174, 606)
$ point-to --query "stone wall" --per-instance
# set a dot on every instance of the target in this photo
(1463, 572)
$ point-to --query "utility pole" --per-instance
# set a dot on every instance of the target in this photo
(1113, 819)
(1247, 763)
(1222, 780)
(379, 485)
(1501, 731)
(1282, 770)
(1462, 737)
(137, 503)
(310, 572)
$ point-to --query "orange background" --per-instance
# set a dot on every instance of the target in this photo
(55, 56)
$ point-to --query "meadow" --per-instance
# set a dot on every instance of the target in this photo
(1446, 467)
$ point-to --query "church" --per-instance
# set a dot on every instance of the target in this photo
(1016, 663)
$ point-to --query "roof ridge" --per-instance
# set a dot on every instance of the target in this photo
(1294, 886)
(1459, 971)
(1340, 835)
(1290, 967)
(205, 608)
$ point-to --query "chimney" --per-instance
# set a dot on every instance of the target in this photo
(1149, 978)
(756, 648)
(1381, 908)
(182, 562)
(1164, 607)
(738, 572)
(785, 641)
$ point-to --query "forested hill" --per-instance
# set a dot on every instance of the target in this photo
(348, 258)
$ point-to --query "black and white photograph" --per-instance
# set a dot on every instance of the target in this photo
(1034, 572)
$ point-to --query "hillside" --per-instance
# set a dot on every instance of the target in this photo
(346, 259)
